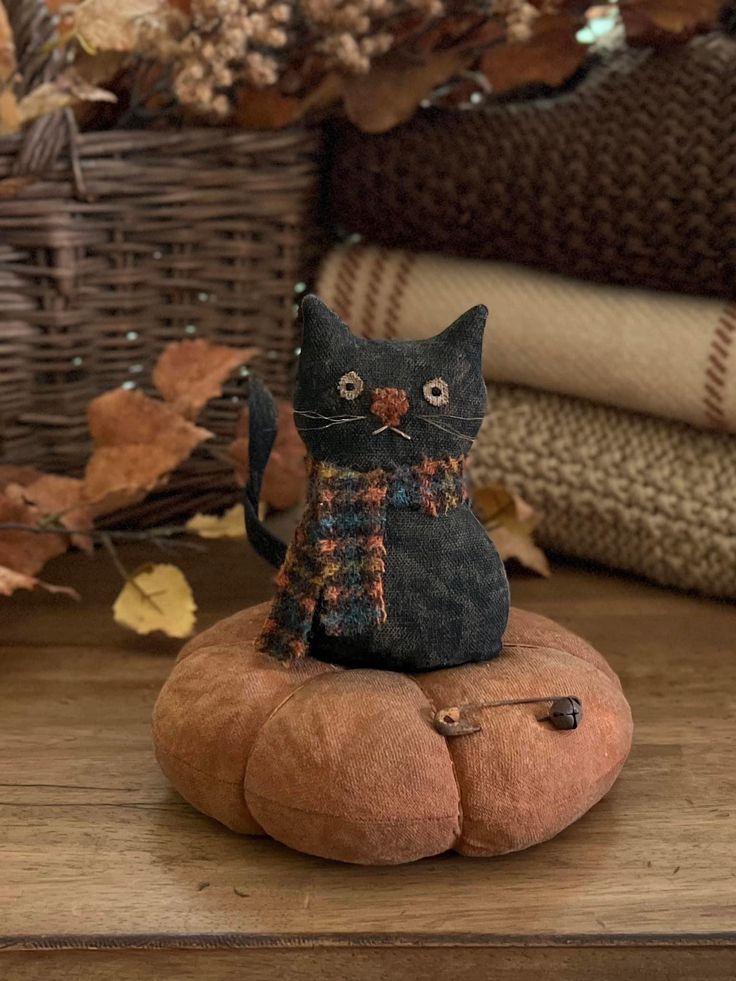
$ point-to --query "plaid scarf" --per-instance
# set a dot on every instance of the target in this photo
(338, 552)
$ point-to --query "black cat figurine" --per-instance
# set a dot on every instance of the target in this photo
(389, 568)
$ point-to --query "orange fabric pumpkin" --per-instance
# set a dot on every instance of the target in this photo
(349, 765)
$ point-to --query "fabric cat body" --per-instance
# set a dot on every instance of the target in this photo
(389, 568)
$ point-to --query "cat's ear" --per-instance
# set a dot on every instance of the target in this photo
(321, 327)
(466, 333)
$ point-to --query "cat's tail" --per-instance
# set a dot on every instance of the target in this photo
(262, 426)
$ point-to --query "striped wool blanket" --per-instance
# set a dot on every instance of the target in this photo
(649, 496)
(658, 353)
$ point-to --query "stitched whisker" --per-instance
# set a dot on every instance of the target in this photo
(393, 429)
(452, 432)
(446, 415)
(336, 422)
(318, 415)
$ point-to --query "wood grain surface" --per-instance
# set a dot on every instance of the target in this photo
(107, 873)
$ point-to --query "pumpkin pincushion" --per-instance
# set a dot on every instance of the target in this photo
(350, 764)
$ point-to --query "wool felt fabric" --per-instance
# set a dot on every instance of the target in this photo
(415, 582)
(654, 352)
(645, 495)
(347, 764)
(339, 549)
(627, 179)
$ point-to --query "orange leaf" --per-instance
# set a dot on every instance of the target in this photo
(653, 23)
(122, 417)
(117, 476)
(53, 495)
(10, 580)
(190, 373)
(285, 479)
(269, 108)
(24, 551)
(139, 441)
(392, 90)
(549, 57)
(10, 474)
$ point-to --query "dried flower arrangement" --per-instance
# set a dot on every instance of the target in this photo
(264, 64)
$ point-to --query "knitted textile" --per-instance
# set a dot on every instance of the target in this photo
(630, 178)
(659, 353)
(337, 555)
(653, 497)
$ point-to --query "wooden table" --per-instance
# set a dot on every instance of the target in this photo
(106, 873)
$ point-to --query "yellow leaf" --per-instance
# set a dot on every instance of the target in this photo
(231, 524)
(158, 597)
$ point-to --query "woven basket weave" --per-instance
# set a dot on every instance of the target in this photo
(126, 240)
(630, 178)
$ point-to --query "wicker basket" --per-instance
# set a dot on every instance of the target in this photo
(126, 240)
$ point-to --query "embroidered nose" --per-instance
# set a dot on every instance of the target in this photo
(390, 405)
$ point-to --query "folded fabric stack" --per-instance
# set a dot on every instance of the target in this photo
(602, 436)
(613, 401)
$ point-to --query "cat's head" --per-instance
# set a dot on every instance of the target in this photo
(364, 403)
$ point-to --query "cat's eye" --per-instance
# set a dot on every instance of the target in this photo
(350, 386)
(437, 392)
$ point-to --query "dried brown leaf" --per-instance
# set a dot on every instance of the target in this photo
(285, 479)
(190, 373)
(61, 498)
(392, 90)
(10, 581)
(11, 474)
(25, 551)
(261, 109)
(270, 108)
(118, 476)
(549, 57)
(122, 417)
(139, 441)
(656, 23)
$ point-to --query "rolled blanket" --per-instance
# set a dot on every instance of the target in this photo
(629, 178)
(659, 353)
(648, 496)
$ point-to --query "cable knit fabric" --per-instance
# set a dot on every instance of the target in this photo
(630, 178)
(660, 353)
(648, 496)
